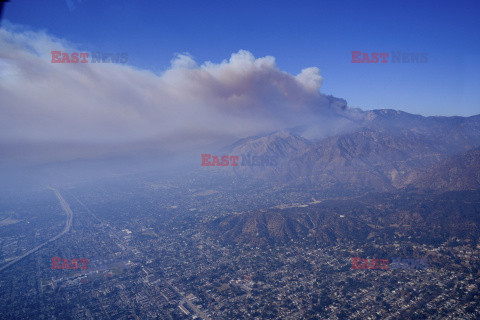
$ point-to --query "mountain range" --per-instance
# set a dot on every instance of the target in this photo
(392, 176)
(386, 150)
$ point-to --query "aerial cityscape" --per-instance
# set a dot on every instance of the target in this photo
(239, 160)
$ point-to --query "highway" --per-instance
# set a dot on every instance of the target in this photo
(68, 226)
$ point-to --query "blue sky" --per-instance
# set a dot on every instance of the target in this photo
(298, 34)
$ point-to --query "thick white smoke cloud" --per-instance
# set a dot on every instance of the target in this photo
(103, 104)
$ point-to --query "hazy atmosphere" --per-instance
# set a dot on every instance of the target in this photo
(222, 160)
